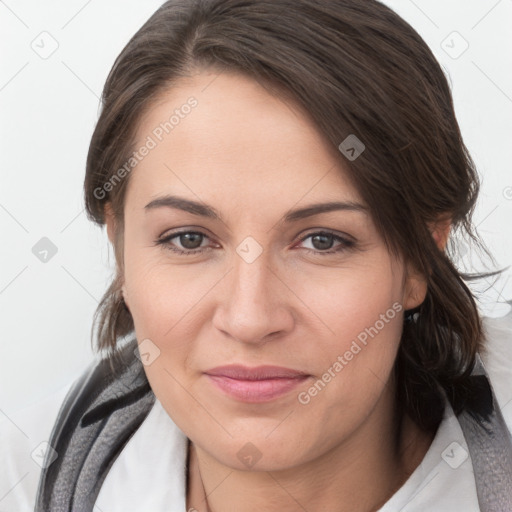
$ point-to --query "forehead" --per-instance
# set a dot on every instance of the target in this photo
(225, 135)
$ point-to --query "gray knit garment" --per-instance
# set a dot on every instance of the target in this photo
(100, 413)
(490, 445)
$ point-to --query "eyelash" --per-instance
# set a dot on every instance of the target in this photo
(344, 245)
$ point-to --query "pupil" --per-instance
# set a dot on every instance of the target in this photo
(189, 240)
(325, 241)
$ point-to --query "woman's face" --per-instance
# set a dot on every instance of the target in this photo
(252, 285)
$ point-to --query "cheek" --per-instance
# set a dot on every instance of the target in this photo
(160, 295)
(360, 314)
(170, 307)
(163, 301)
(349, 301)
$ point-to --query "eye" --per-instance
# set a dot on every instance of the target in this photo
(190, 242)
(322, 242)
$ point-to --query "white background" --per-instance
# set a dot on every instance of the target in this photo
(48, 111)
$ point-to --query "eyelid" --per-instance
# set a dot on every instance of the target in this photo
(186, 229)
(333, 232)
(310, 231)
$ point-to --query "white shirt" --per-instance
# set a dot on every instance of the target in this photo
(150, 473)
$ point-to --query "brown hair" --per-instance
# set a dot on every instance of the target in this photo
(357, 68)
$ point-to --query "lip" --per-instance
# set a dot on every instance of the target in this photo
(240, 372)
(255, 385)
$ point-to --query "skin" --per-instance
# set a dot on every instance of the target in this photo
(253, 157)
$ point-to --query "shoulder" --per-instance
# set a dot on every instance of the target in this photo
(24, 437)
(497, 358)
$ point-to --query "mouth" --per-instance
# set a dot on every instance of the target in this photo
(255, 385)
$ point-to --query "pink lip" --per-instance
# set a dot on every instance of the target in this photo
(255, 385)
(238, 371)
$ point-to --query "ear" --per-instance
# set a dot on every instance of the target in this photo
(415, 289)
(110, 222)
(440, 231)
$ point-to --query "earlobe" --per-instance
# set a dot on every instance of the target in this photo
(415, 291)
(124, 296)
(110, 222)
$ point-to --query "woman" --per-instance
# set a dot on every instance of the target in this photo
(286, 330)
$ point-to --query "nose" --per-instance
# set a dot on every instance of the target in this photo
(254, 303)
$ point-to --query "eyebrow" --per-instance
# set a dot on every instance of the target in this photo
(204, 210)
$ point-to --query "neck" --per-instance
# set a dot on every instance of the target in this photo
(358, 475)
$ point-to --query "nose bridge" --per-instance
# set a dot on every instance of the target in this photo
(252, 306)
(251, 279)
(251, 276)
